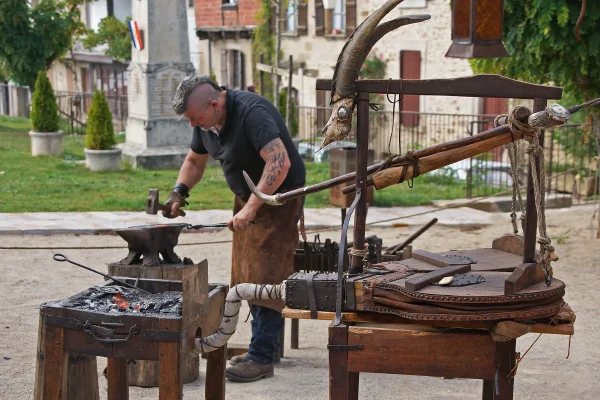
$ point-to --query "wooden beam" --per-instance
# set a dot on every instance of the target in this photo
(473, 86)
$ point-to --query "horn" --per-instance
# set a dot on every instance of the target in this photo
(272, 200)
(350, 59)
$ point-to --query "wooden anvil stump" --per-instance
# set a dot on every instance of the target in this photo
(132, 325)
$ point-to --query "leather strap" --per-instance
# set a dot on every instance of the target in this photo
(312, 299)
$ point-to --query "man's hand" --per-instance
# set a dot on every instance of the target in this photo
(175, 201)
(242, 219)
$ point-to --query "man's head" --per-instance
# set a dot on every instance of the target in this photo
(198, 99)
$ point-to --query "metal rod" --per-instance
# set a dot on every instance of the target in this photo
(62, 258)
(411, 238)
(529, 236)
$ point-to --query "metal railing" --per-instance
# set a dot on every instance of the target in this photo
(74, 107)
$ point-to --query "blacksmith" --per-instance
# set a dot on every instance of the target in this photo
(245, 132)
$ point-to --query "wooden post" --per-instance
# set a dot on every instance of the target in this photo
(214, 388)
(118, 387)
(295, 328)
(502, 387)
(170, 377)
(530, 233)
(289, 96)
(362, 149)
(55, 364)
(338, 363)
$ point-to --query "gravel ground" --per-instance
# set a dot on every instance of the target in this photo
(30, 277)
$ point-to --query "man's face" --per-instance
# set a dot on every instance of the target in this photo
(204, 117)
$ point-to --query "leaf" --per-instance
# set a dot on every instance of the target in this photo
(562, 16)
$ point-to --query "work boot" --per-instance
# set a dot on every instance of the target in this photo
(238, 359)
(242, 357)
(249, 371)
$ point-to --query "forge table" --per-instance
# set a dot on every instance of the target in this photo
(363, 342)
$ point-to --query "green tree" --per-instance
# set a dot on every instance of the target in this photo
(44, 110)
(99, 133)
(540, 38)
(114, 34)
(263, 41)
(31, 38)
(293, 128)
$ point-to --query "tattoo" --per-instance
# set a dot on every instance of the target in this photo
(274, 154)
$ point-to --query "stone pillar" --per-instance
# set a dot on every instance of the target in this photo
(156, 136)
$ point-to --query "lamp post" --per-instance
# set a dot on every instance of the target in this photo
(477, 29)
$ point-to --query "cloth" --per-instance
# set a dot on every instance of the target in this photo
(266, 329)
(251, 122)
(264, 252)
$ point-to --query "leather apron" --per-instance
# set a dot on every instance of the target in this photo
(263, 253)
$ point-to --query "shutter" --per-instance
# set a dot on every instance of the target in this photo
(282, 16)
(321, 112)
(410, 68)
(350, 17)
(242, 71)
(319, 18)
(302, 28)
(224, 77)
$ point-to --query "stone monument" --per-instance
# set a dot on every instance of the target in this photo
(155, 136)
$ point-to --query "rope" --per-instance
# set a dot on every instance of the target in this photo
(535, 153)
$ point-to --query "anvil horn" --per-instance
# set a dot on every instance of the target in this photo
(272, 200)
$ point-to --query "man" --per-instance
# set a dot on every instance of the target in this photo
(245, 132)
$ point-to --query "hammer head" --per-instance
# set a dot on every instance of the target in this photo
(152, 205)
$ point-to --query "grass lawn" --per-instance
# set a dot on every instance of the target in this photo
(49, 183)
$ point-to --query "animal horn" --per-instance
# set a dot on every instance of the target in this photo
(351, 56)
(272, 200)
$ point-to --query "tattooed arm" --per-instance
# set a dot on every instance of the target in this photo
(277, 165)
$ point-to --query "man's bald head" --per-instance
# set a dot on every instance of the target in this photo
(198, 89)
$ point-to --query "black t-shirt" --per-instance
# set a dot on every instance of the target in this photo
(251, 122)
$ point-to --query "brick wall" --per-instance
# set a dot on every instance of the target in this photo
(211, 13)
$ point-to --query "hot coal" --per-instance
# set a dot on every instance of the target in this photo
(118, 299)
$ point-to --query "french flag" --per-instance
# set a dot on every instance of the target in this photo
(136, 37)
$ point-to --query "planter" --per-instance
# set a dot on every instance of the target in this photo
(103, 160)
(46, 143)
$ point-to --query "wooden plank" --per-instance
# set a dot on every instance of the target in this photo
(510, 243)
(55, 360)
(524, 276)
(485, 85)
(338, 363)
(450, 355)
(118, 386)
(170, 377)
(195, 292)
(415, 283)
(215, 374)
(351, 317)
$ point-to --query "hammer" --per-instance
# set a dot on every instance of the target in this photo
(153, 206)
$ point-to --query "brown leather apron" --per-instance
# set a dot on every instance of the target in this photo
(264, 252)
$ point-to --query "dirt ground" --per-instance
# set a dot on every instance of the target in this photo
(30, 277)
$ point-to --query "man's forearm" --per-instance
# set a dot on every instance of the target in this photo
(274, 173)
(190, 173)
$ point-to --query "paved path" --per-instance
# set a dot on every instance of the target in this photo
(105, 222)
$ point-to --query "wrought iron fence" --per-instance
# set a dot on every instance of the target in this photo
(74, 106)
(571, 158)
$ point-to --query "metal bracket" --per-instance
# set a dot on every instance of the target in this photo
(344, 347)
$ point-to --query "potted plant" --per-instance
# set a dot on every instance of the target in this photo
(100, 153)
(45, 136)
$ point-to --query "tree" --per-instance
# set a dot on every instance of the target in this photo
(114, 34)
(99, 132)
(31, 38)
(44, 110)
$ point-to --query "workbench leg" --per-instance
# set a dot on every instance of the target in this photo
(295, 327)
(170, 377)
(353, 378)
(505, 361)
(55, 364)
(214, 388)
(338, 363)
(118, 386)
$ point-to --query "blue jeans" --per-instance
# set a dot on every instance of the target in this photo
(266, 328)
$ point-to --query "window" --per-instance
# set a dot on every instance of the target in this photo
(291, 16)
(338, 23)
(190, 3)
(229, 2)
(233, 71)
